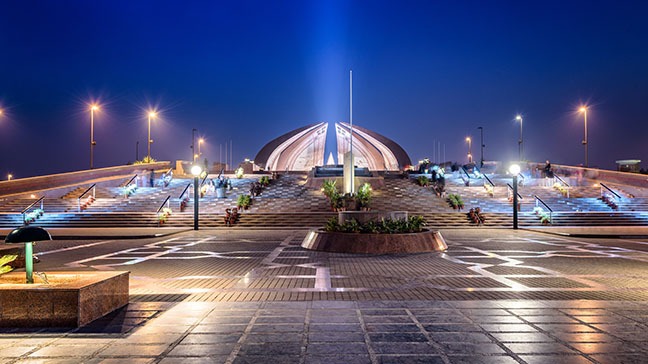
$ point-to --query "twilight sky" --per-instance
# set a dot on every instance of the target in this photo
(249, 71)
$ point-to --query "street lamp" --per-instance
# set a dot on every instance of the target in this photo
(9, 177)
(469, 140)
(481, 133)
(193, 141)
(583, 109)
(514, 169)
(151, 115)
(93, 108)
(200, 141)
(519, 118)
(196, 170)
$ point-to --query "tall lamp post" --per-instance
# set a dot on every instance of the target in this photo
(481, 133)
(583, 109)
(93, 108)
(521, 141)
(196, 171)
(151, 115)
(193, 141)
(514, 169)
(469, 140)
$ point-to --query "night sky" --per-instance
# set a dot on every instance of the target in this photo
(249, 71)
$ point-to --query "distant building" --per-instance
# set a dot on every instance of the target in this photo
(628, 165)
(303, 148)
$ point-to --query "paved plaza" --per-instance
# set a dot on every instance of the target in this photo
(223, 296)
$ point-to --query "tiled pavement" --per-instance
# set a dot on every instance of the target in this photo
(496, 296)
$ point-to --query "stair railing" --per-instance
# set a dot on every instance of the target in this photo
(183, 193)
(463, 168)
(559, 179)
(24, 211)
(510, 193)
(167, 204)
(130, 181)
(615, 196)
(91, 188)
(489, 180)
(127, 186)
(538, 199)
(167, 177)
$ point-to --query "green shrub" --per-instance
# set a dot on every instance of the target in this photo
(363, 197)
(423, 181)
(413, 224)
(244, 201)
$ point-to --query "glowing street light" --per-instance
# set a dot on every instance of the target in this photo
(583, 109)
(469, 141)
(521, 141)
(481, 133)
(196, 170)
(93, 108)
(151, 115)
(514, 169)
(200, 141)
(9, 177)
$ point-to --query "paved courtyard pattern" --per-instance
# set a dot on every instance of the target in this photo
(496, 296)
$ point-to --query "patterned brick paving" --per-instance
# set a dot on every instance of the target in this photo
(496, 296)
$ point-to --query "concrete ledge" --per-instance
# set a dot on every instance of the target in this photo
(72, 299)
(23, 185)
(426, 241)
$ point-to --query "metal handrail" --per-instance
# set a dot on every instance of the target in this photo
(165, 175)
(538, 199)
(32, 205)
(83, 194)
(610, 190)
(510, 191)
(166, 202)
(203, 180)
(563, 182)
(130, 180)
(184, 191)
(489, 180)
(466, 172)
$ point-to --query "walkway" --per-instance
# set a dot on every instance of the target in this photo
(496, 296)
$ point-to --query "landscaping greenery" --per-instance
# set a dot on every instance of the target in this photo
(423, 181)
(361, 200)
(413, 224)
(455, 201)
(244, 201)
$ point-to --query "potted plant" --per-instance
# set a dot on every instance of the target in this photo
(243, 202)
(423, 181)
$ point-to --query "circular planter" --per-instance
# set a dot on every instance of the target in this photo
(425, 241)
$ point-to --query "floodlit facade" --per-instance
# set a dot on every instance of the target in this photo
(303, 148)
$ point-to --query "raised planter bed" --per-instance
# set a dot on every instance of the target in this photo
(71, 299)
(425, 241)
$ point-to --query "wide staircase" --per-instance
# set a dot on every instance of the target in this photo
(288, 204)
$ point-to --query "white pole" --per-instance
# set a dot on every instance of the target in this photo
(351, 109)
(351, 129)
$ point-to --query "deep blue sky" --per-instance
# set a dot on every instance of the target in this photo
(250, 71)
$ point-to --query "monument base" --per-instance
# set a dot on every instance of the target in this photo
(425, 241)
